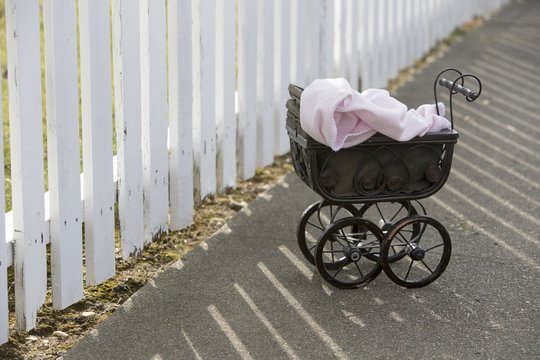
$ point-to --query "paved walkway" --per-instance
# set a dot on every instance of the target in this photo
(248, 293)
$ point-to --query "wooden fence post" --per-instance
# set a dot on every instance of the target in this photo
(225, 93)
(96, 105)
(4, 312)
(25, 117)
(127, 98)
(204, 88)
(247, 87)
(397, 36)
(265, 89)
(180, 114)
(298, 43)
(154, 118)
(393, 38)
(282, 72)
(313, 65)
(340, 57)
(65, 207)
(366, 52)
(352, 43)
(326, 25)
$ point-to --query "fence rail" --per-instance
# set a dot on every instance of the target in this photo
(199, 91)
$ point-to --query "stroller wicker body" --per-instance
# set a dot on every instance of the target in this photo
(369, 218)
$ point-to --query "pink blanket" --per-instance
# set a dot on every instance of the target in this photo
(334, 114)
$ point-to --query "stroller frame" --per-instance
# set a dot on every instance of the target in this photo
(352, 239)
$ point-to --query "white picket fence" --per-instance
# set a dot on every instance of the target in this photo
(178, 131)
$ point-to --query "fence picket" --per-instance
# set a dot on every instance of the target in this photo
(180, 114)
(424, 24)
(407, 37)
(431, 30)
(447, 25)
(25, 112)
(204, 113)
(225, 93)
(326, 24)
(154, 118)
(298, 43)
(314, 18)
(393, 38)
(4, 312)
(282, 72)
(366, 53)
(352, 43)
(399, 32)
(127, 97)
(339, 39)
(265, 86)
(96, 105)
(385, 43)
(62, 107)
(247, 87)
(441, 17)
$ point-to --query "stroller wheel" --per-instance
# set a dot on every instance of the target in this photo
(385, 215)
(314, 221)
(427, 251)
(340, 253)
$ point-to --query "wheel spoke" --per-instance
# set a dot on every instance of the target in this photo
(340, 240)
(368, 243)
(358, 267)
(339, 269)
(319, 216)
(368, 247)
(332, 251)
(399, 245)
(409, 270)
(396, 214)
(403, 238)
(434, 247)
(422, 230)
(380, 212)
(332, 248)
(427, 266)
(316, 226)
(345, 237)
(407, 231)
(334, 213)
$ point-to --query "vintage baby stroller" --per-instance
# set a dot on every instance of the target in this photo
(369, 218)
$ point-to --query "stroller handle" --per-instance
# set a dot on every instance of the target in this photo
(456, 87)
(468, 93)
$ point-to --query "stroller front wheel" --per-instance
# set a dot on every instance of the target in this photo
(342, 249)
(427, 251)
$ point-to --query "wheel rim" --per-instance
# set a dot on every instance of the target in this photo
(426, 254)
(346, 242)
(386, 215)
(314, 221)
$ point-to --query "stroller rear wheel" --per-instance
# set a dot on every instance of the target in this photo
(315, 219)
(386, 215)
